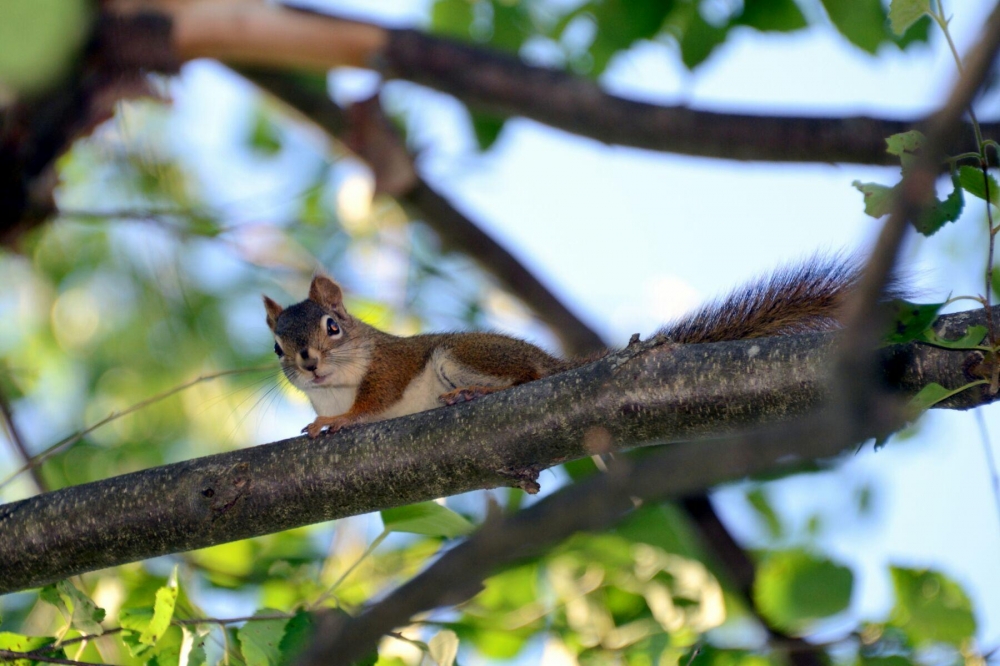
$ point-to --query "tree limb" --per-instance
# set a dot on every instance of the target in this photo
(488, 80)
(650, 393)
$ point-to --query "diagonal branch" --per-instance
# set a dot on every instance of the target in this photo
(649, 393)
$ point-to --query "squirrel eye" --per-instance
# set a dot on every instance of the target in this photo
(277, 350)
(331, 327)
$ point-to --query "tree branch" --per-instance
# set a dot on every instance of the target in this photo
(497, 83)
(649, 393)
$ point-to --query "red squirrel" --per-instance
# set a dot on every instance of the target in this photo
(355, 373)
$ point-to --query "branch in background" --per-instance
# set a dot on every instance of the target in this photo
(261, 35)
(649, 393)
(7, 415)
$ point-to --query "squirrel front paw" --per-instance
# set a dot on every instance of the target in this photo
(331, 423)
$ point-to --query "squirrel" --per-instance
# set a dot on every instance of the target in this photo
(355, 373)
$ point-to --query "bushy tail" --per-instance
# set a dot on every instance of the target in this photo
(796, 299)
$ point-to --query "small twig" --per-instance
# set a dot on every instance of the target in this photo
(18, 442)
(44, 455)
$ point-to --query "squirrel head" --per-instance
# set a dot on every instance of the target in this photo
(311, 336)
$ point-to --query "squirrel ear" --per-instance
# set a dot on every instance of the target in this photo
(327, 293)
(273, 310)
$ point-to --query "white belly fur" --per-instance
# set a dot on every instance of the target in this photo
(441, 374)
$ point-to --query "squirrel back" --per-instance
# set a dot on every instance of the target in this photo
(800, 298)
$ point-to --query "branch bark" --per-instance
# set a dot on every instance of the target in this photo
(647, 394)
(498, 83)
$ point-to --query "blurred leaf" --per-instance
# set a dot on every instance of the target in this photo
(904, 13)
(487, 129)
(973, 181)
(192, 649)
(78, 609)
(260, 640)
(931, 608)
(941, 212)
(452, 17)
(443, 647)
(699, 40)
(910, 320)
(928, 396)
(793, 588)
(878, 198)
(918, 33)
(862, 22)
(428, 518)
(620, 23)
(905, 142)
(264, 138)
(511, 25)
(758, 500)
(771, 15)
(40, 40)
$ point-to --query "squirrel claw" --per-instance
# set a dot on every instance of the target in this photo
(465, 394)
(330, 423)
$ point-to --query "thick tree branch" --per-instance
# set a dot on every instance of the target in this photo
(491, 81)
(650, 393)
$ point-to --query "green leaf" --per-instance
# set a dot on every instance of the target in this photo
(972, 181)
(904, 13)
(973, 337)
(452, 17)
(794, 588)
(878, 198)
(163, 612)
(911, 141)
(931, 608)
(443, 647)
(918, 33)
(192, 649)
(927, 397)
(428, 518)
(771, 15)
(264, 135)
(487, 128)
(699, 40)
(862, 22)
(260, 640)
(19, 643)
(298, 635)
(758, 500)
(41, 40)
(910, 320)
(620, 23)
(941, 212)
(511, 25)
(78, 609)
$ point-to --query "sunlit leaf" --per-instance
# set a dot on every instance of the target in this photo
(452, 17)
(878, 198)
(428, 518)
(19, 643)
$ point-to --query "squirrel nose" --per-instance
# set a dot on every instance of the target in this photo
(309, 364)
